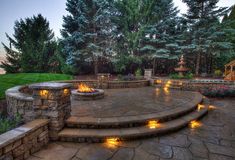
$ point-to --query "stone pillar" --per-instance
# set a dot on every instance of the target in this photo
(52, 101)
(103, 79)
(148, 74)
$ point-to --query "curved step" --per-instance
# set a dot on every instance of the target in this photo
(99, 135)
(130, 121)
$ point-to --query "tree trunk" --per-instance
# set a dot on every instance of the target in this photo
(96, 66)
(197, 64)
(154, 66)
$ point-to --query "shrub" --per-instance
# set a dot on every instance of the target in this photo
(8, 123)
(129, 77)
(218, 73)
(138, 73)
(177, 76)
(221, 91)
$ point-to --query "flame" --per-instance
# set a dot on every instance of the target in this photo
(84, 88)
(153, 124)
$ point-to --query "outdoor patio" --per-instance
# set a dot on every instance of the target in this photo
(214, 140)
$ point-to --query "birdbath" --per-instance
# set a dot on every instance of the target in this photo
(181, 69)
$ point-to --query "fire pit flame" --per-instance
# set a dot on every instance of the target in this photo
(85, 89)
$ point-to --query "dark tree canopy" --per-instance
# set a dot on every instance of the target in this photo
(32, 46)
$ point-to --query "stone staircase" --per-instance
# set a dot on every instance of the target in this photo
(89, 129)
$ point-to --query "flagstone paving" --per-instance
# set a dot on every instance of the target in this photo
(214, 140)
(133, 102)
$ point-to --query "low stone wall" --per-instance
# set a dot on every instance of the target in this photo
(109, 84)
(128, 84)
(23, 141)
(192, 85)
(19, 103)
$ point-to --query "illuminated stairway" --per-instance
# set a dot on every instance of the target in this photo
(98, 130)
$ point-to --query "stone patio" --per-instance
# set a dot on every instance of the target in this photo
(133, 102)
(215, 140)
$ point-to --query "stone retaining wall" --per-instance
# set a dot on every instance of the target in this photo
(20, 103)
(110, 84)
(23, 141)
(192, 85)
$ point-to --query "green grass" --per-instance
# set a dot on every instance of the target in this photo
(10, 80)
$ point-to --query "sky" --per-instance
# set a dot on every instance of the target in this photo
(53, 10)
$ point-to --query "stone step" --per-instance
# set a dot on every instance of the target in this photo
(100, 135)
(131, 121)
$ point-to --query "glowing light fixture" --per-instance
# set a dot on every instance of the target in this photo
(66, 91)
(44, 93)
(200, 106)
(159, 81)
(153, 124)
(211, 107)
(168, 82)
(166, 89)
(195, 124)
(112, 142)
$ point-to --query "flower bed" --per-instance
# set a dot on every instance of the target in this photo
(219, 91)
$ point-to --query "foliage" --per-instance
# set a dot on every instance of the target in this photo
(129, 77)
(34, 44)
(204, 35)
(11, 80)
(221, 91)
(138, 73)
(87, 31)
(177, 76)
(218, 73)
(9, 123)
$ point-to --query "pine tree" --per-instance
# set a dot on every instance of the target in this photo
(160, 40)
(87, 31)
(32, 41)
(132, 19)
(203, 36)
(12, 62)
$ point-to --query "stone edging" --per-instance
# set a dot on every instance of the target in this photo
(25, 140)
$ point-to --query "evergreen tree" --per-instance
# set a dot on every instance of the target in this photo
(87, 31)
(12, 62)
(160, 41)
(32, 40)
(131, 19)
(203, 36)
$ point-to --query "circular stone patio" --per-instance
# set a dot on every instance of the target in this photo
(135, 102)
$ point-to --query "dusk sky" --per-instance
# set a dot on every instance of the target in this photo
(53, 10)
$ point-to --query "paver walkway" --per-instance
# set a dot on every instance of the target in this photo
(215, 140)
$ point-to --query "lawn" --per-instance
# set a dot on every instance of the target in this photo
(11, 80)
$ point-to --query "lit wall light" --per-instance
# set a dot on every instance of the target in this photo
(112, 142)
(200, 106)
(66, 91)
(44, 93)
(211, 107)
(169, 82)
(158, 81)
(153, 124)
(195, 124)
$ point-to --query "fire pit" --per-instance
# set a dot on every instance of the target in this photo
(86, 93)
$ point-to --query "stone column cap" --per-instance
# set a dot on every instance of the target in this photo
(50, 85)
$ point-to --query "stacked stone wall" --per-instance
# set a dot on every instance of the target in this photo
(23, 141)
